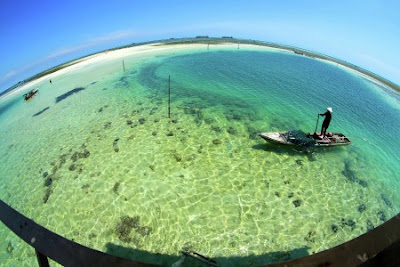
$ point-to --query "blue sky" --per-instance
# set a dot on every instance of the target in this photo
(36, 35)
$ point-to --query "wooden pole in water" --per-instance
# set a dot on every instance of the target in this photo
(169, 96)
(208, 46)
(123, 64)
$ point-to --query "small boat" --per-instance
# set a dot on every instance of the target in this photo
(299, 138)
(31, 94)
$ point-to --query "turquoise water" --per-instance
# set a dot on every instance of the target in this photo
(96, 159)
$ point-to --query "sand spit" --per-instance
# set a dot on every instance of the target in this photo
(188, 44)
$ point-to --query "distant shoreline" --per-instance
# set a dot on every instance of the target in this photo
(206, 41)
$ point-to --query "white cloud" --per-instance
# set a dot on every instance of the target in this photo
(10, 74)
(93, 42)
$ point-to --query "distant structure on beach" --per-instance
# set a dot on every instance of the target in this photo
(227, 37)
(202, 36)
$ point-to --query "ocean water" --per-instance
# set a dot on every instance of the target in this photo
(95, 158)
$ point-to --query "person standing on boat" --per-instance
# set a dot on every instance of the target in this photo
(327, 120)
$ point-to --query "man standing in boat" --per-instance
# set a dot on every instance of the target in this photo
(327, 120)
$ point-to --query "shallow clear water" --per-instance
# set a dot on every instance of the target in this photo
(105, 166)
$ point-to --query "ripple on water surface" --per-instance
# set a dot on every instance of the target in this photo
(96, 159)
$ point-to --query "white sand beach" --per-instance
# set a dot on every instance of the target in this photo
(146, 49)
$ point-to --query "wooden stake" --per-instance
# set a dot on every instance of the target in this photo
(169, 96)
(123, 64)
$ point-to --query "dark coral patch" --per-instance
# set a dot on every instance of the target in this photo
(127, 224)
(361, 208)
(297, 203)
(351, 175)
(387, 201)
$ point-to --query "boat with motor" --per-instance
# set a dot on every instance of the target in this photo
(31, 94)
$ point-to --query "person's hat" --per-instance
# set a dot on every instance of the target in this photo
(329, 109)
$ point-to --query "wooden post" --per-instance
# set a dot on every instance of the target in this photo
(238, 45)
(169, 96)
(208, 46)
(123, 64)
(42, 259)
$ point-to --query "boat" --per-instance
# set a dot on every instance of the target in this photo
(31, 94)
(299, 138)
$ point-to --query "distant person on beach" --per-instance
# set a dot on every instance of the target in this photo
(51, 81)
(327, 120)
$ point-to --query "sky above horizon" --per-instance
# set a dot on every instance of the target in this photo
(37, 35)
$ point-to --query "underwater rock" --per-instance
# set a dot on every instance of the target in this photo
(153, 111)
(116, 187)
(142, 120)
(125, 226)
(348, 222)
(387, 201)
(154, 133)
(107, 125)
(152, 167)
(49, 191)
(370, 226)
(174, 121)
(299, 162)
(351, 175)
(290, 195)
(297, 203)
(75, 156)
(216, 129)
(177, 157)
(217, 142)
(361, 208)
(45, 174)
(129, 122)
(253, 133)
(92, 235)
(144, 230)
(231, 130)
(381, 216)
(63, 159)
(115, 145)
(310, 236)
(156, 120)
(84, 154)
(10, 248)
(85, 186)
(100, 109)
(334, 228)
(48, 181)
(170, 133)
(72, 167)
(277, 194)
(232, 115)
(209, 120)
